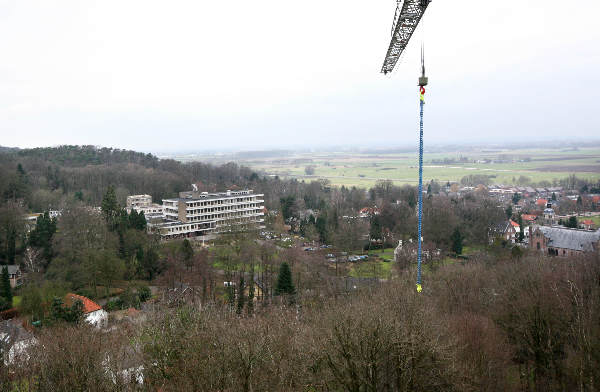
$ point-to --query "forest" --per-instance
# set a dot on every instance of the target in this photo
(268, 315)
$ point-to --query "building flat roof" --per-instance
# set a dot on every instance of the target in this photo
(214, 196)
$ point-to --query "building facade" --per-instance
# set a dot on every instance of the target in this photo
(143, 203)
(562, 241)
(201, 213)
(507, 230)
(14, 275)
(134, 201)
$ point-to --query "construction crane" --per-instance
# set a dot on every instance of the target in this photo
(406, 20)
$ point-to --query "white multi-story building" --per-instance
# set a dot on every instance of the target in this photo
(134, 201)
(143, 203)
(198, 214)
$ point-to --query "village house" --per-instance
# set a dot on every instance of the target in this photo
(507, 230)
(587, 224)
(92, 312)
(368, 212)
(562, 241)
(528, 221)
(14, 275)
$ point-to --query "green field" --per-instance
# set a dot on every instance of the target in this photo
(364, 169)
(387, 254)
(371, 269)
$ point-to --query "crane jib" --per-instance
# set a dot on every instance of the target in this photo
(405, 24)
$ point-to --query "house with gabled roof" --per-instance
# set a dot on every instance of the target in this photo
(14, 275)
(92, 312)
(562, 241)
(587, 224)
(507, 230)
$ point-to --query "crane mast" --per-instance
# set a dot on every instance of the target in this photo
(406, 20)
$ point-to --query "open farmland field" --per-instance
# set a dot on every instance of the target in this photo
(364, 169)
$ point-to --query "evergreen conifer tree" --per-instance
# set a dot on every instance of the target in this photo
(241, 296)
(457, 241)
(284, 280)
(11, 245)
(110, 207)
(250, 305)
(41, 236)
(187, 252)
(141, 222)
(508, 212)
(133, 219)
(521, 229)
(5, 286)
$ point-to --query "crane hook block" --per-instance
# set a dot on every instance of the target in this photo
(423, 80)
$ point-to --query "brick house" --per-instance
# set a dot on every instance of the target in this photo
(562, 241)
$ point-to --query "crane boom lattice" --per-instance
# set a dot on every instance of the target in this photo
(405, 24)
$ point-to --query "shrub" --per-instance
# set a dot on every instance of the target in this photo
(144, 293)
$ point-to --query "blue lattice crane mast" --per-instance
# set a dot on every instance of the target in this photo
(406, 20)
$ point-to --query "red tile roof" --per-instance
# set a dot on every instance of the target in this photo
(541, 202)
(588, 222)
(528, 218)
(596, 199)
(89, 306)
(515, 224)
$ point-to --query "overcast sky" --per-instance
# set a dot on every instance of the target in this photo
(194, 75)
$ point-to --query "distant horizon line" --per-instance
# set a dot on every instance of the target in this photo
(376, 147)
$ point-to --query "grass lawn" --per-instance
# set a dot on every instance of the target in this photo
(17, 301)
(469, 250)
(387, 254)
(371, 269)
(236, 267)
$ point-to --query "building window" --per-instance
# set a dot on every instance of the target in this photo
(538, 245)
